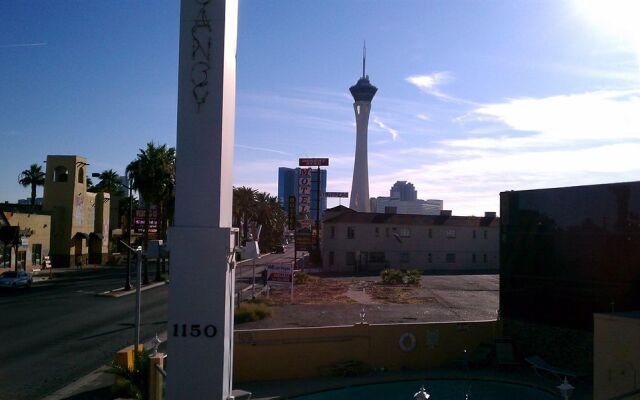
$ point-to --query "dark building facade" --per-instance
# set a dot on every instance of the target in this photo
(566, 253)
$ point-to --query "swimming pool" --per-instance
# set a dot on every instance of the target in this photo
(454, 389)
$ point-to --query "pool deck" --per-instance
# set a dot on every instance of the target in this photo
(270, 390)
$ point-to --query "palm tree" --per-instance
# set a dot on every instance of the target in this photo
(272, 217)
(153, 176)
(109, 183)
(33, 177)
(244, 208)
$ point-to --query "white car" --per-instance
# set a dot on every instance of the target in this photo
(13, 279)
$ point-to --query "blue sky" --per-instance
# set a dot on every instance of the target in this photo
(475, 97)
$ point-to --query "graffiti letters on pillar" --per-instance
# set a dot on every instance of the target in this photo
(200, 54)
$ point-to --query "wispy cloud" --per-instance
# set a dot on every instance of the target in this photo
(603, 116)
(241, 146)
(10, 46)
(431, 83)
(394, 133)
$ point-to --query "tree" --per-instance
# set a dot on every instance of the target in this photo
(272, 218)
(109, 183)
(263, 209)
(33, 177)
(244, 210)
(153, 176)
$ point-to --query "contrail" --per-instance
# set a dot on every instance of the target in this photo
(9, 46)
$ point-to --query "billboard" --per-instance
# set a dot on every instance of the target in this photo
(279, 274)
(313, 162)
(291, 213)
(138, 221)
(336, 194)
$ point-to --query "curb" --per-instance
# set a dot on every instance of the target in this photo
(120, 292)
(96, 379)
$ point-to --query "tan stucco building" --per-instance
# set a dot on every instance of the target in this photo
(80, 220)
(355, 241)
(27, 231)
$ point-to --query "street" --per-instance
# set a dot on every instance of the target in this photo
(60, 330)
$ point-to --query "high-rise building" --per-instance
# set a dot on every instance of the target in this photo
(404, 191)
(392, 205)
(362, 92)
(290, 184)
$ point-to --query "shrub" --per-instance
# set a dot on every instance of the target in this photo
(251, 311)
(300, 277)
(413, 276)
(132, 383)
(391, 276)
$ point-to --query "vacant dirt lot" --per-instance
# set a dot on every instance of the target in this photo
(339, 301)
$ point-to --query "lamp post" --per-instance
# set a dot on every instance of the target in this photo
(127, 282)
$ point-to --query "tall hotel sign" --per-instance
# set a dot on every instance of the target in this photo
(304, 222)
(201, 297)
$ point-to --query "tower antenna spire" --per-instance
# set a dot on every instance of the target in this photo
(364, 58)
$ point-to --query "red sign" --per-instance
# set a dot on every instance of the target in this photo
(336, 194)
(279, 273)
(313, 162)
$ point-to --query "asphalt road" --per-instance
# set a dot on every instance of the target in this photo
(60, 330)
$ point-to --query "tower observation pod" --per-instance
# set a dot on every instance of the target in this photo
(362, 92)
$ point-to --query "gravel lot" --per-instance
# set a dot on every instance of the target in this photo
(339, 301)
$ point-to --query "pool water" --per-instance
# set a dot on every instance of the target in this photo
(438, 389)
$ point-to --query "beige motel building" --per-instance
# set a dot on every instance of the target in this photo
(71, 227)
(357, 242)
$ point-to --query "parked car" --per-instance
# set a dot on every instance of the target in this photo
(13, 279)
(279, 248)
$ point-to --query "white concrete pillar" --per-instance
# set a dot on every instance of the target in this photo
(200, 330)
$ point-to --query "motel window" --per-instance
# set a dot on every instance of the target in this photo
(404, 232)
(451, 233)
(332, 232)
(331, 260)
(451, 257)
(404, 257)
(350, 258)
(485, 234)
(351, 232)
(473, 258)
(81, 175)
(376, 257)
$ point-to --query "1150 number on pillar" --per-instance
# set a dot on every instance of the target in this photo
(194, 330)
